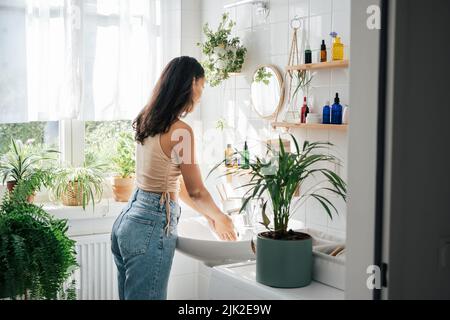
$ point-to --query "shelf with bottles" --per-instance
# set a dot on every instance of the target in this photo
(315, 126)
(320, 65)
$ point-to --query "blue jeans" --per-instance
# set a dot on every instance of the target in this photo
(142, 250)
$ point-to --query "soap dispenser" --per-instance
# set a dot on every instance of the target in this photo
(336, 111)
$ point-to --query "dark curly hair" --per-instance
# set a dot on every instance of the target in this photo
(171, 98)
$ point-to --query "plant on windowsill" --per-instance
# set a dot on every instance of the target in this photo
(224, 55)
(37, 258)
(79, 186)
(124, 167)
(283, 256)
(25, 161)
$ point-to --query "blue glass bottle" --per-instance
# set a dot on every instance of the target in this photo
(336, 111)
(326, 113)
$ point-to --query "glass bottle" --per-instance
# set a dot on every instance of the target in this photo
(326, 113)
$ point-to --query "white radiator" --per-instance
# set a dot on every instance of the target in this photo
(97, 274)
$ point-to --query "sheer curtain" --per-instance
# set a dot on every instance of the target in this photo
(89, 59)
(53, 63)
(122, 57)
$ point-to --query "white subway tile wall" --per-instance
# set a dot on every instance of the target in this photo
(268, 42)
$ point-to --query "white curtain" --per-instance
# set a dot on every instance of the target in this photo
(53, 62)
(122, 58)
(89, 59)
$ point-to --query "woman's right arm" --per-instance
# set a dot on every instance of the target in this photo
(197, 191)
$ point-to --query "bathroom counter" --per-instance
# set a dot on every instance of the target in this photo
(238, 282)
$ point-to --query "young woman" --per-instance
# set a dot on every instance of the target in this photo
(144, 235)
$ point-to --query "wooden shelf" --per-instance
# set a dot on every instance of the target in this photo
(342, 127)
(321, 65)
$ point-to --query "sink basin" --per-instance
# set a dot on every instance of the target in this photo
(198, 241)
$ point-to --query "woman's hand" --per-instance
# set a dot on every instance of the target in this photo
(224, 227)
(211, 223)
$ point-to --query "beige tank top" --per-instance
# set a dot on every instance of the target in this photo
(156, 172)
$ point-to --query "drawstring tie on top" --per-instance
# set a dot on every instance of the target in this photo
(165, 199)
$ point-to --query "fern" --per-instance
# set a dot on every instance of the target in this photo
(36, 255)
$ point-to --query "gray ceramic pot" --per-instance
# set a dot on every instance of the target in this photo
(284, 263)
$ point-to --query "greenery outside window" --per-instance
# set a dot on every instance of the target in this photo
(101, 138)
(40, 133)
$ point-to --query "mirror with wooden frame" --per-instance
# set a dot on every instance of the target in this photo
(267, 91)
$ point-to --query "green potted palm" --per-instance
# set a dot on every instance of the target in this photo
(284, 256)
(37, 258)
(78, 186)
(23, 161)
(124, 167)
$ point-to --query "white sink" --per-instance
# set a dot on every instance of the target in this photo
(197, 240)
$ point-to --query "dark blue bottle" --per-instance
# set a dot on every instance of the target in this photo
(326, 113)
(336, 111)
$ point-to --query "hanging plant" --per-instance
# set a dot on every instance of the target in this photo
(223, 54)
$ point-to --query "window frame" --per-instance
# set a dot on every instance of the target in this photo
(71, 140)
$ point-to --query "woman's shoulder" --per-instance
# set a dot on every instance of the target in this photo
(179, 131)
(180, 124)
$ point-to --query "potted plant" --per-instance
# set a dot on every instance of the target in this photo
(79, 186)
(124, 167)
(224, 55)
(23, 161)
(283, 256)
(37, 258)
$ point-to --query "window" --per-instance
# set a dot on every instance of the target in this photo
(13, 75)
(87, 60)
(72, 71)
(45, 133)
(100, 137)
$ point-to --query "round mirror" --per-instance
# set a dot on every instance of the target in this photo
(267, 91)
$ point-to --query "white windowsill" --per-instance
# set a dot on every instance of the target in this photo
(87, 222)
(104, 209)
(90, 221)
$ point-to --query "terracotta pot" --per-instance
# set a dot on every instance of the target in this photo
(122, 188)
(11, 184)
(72, 197)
